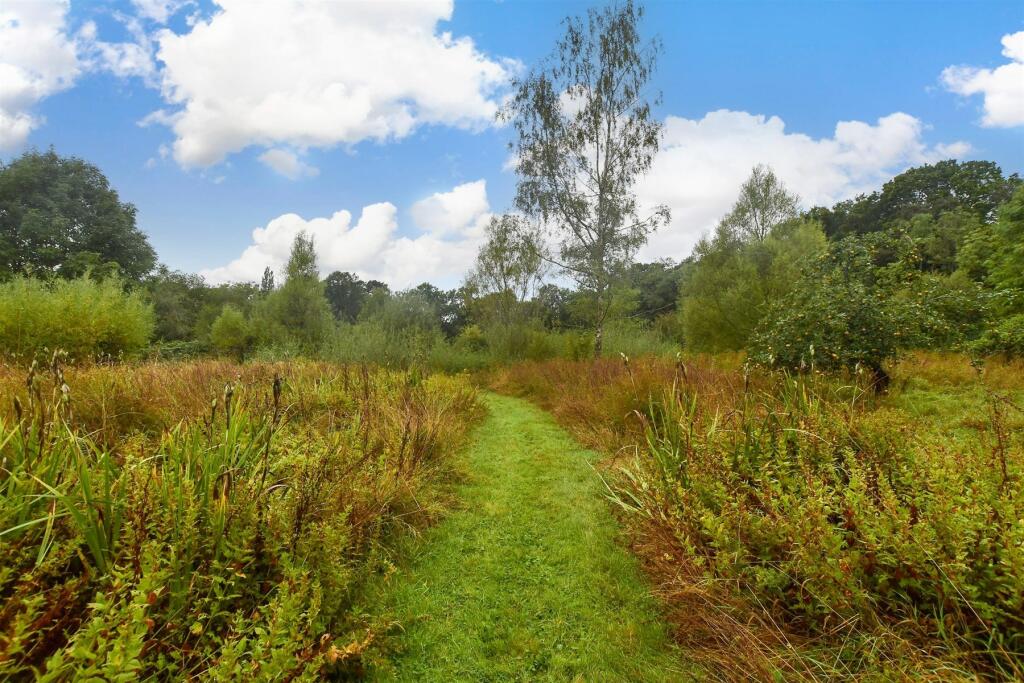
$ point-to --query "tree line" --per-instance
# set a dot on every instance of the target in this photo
(932, 259)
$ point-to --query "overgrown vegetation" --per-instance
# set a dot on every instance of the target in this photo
(802, 527)
(196, 479)
(203, 519)
(83, 317)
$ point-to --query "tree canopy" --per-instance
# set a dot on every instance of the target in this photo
(59, 216)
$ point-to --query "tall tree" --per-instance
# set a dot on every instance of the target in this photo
(733, 281)
(509, 266)
(59, 215)
(267, 283)
(177, 301)
(977, 187)
(764, 202)
(298, 310)
(346, 293)
(585, 136)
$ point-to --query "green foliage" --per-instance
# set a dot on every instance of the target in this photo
(656, 286)
(508, 270)
(346, 293)
(60, 215)
(1006, 263)
(1006, 336)
(976, 187)
(603, 68)
(449, 307)
(231, 334)
(733, 281)
(177, 300)
(824, 513)
(220, 541)
(763, 203)
(857, 306)
(940, 238)
(82, 317)
(297, 312)
(634, 338)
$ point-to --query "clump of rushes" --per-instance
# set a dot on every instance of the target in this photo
(802, 527)
(176, 535)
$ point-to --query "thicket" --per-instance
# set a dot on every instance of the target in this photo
(83, 317)
(804, 528)
(198, 520)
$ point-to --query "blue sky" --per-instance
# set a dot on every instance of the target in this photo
(780, 75)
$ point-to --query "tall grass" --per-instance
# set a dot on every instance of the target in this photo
(800, 527)
(207, 519)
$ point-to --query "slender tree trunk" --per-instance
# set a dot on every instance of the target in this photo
(598, 339)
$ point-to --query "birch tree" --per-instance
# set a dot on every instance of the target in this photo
(585, 136)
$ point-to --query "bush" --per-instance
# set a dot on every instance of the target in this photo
(1005, 337)
(83, 317)
(635, 339)
(231, 334)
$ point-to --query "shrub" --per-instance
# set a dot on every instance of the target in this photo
(1006, 337)
(83, 317)
(231, 334)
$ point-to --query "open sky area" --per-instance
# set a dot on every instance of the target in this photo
(232, 125)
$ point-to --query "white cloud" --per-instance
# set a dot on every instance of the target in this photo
(37, 59)
(702, 163)
(318, 74)
(1002, 88)
(159, 11)
(288, 164)
(463, 209)
(125, 60)
(450, 232)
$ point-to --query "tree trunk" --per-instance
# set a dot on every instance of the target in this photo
(598, 339)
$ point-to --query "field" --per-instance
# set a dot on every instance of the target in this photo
(800, 527)
(204, 519)
(198, 519)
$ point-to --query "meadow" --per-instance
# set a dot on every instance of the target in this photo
(203, 519)
(803, 527)
(789, 447)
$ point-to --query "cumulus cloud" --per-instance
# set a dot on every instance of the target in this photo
(1002, 88)
(463, 210)
(450, 230)
(702, 163)
(288, 164)
(37, 59)
(317, 74)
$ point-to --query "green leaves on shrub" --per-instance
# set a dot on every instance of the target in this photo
(83, 317)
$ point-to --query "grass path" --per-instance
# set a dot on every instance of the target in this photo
(525, 581)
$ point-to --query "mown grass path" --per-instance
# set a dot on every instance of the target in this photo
(525, 580)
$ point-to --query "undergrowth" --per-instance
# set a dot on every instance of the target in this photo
(800, 527)
(206, 519)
